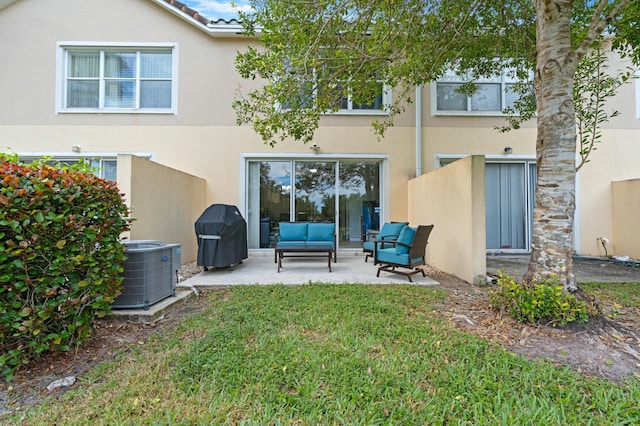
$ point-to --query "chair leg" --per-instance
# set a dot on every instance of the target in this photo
(393, 268)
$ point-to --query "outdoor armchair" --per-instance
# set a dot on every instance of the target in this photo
(406, 253)
(389, 232)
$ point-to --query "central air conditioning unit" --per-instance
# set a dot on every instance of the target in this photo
(150, 273)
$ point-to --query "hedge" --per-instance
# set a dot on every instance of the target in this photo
(60, 258)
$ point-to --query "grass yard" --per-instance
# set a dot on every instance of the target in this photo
(623, 294)
(332, 354)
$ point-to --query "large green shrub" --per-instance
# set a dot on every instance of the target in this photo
(543, 302)
(60, 257)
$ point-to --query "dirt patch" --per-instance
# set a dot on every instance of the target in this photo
(608, 348)
(605, 349)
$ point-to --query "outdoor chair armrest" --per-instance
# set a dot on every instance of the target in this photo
(387, 238)
(396, 242)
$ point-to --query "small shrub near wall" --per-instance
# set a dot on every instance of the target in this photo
(60, 258)
(543, 302)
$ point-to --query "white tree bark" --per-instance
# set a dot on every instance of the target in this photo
(552, 245)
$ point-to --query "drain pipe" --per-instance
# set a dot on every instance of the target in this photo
(189, 286)
(418, 130)
(184, 285)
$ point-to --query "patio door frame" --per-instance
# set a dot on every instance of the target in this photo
(247, 158)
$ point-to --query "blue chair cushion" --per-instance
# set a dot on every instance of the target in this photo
(389, 229)
(293, 231)
(390, 255)
(406, 236)
(321, 232)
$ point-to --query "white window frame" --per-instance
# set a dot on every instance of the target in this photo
(503, 79)
(64, 47)
(386, 102)
(72, 157)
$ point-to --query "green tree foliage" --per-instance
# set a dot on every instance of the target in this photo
(60, 257)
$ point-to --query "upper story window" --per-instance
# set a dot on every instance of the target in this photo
(378, 105)
(117, 78)
(340, 96)
(491, 96)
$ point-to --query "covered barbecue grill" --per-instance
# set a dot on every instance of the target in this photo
(222, 236)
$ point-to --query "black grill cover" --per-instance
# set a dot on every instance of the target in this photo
(222, 236)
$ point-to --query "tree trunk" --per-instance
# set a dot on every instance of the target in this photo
(552, 245)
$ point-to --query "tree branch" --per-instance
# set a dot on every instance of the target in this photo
(599, 23)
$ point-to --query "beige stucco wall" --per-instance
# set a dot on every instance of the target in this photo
(616, 159)
(164, 203)
(626, 229)
(452, 199)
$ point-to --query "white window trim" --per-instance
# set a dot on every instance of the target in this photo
(386, 102)
(75, 156)
(61, 77)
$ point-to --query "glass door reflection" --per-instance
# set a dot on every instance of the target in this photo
(359, 202)
(315, 191)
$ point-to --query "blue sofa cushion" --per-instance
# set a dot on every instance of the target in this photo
(320, 243)
(293, 231)
(406, 236)
(292, 243)
(323, 232)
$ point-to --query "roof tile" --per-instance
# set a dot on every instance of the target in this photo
(186, 9)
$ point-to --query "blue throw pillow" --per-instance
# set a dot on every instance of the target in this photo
(406, 236)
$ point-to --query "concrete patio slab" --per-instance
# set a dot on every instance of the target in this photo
(262, 270)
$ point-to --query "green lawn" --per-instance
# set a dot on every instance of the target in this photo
(624, 294)
(332, 354)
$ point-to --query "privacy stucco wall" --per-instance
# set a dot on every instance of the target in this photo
(626, 227)
(616, 159)
(164, 202)
(453, 199)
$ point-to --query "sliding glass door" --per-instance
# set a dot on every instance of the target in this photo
(346, 193)
(510, 190)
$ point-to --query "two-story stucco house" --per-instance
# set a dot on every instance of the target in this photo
(144, 89)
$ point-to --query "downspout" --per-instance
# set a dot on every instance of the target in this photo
(418, 130)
